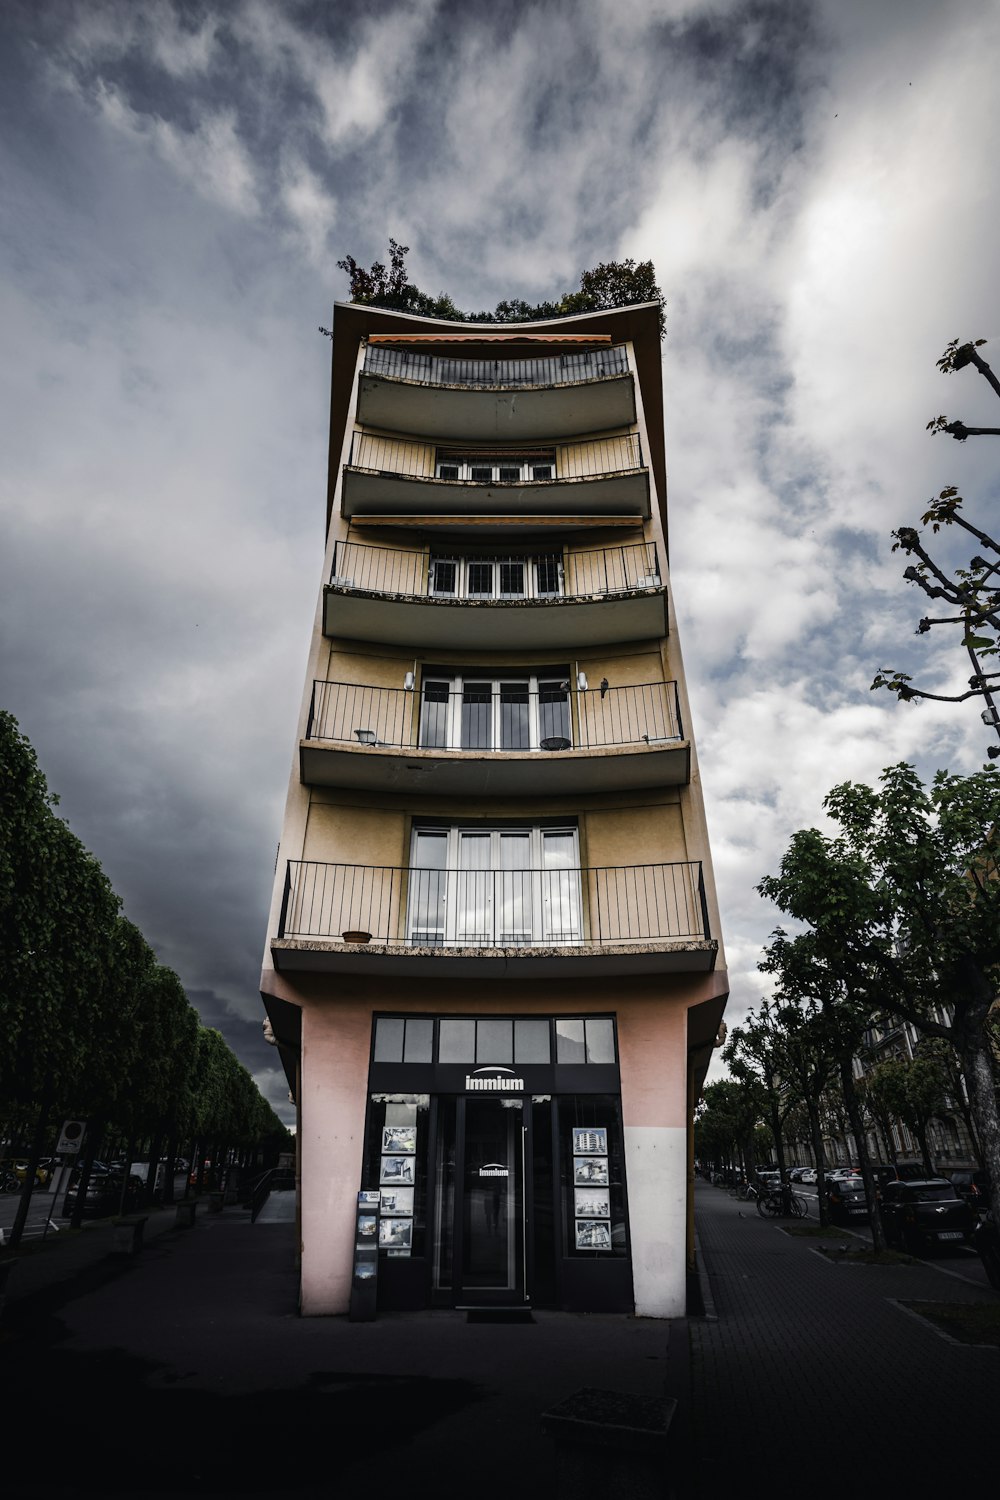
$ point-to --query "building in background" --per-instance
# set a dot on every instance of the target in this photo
(493, 964)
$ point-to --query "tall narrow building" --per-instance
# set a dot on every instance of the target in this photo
(493, 964)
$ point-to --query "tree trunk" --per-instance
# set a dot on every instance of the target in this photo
(28, 1186)
(168, 1174)
(983, 1102)
(920, 1131)
(148, 1194)
(816, 1136)
(853, 1107)
(95, 1129)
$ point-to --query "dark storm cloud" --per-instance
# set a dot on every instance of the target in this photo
(179, 181)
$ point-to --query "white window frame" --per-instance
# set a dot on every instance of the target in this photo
(456, 686)
(524, 464)
(529, 561)
(548, 895)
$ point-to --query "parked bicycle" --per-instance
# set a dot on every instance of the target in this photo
(779, 1200)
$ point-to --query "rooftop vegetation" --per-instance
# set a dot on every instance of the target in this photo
(622, 283)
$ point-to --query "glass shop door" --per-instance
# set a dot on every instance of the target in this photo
(482, 1250)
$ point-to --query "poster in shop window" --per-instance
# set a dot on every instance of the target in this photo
(592, 1203)
(395, 1234)
(399, 1138)
(590, 1140)
(398, 1170)
(593, 1234)
(590, 1171)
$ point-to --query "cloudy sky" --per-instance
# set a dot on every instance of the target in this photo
(816, 185)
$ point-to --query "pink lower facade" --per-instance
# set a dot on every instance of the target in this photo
(555, 1176)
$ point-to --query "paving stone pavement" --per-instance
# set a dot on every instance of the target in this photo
(810, 1373)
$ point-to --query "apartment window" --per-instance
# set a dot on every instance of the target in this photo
(527, 577)
(486, 887)
(497, 468)
(476, 711)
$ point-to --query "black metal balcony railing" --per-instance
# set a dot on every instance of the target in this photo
(590, 459)
(494, 908)
(551, 575)
(556, 369)
(502, 716)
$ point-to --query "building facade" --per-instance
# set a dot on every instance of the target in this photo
(493, 964)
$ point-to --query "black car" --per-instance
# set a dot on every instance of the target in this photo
(986, 1241)
(104, 1192)
(974, 1187)
(847, 1201)
(925, 1215)
(884, 1172)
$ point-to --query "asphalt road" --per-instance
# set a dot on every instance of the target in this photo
(953, 1260)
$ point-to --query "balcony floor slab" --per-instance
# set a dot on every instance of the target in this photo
(501, 773)
(495, 624)
(331, 956)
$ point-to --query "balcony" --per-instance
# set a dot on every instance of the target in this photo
(559, 600)
(394, 481)
(392, 920)
(489, 400)
(502, 736)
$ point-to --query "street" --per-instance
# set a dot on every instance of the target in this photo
(954, 1260)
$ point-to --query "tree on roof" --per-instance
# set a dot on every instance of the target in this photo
(616, 283)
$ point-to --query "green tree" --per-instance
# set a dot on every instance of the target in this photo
(729, 1116)
(621, 283)
(914, 1090)
(755, 1054)
(971, 594)
(903, 911)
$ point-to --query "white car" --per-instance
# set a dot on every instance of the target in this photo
(809, 1175)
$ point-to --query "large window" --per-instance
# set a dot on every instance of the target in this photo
(508, 577)
(493, 711)
(494, 887)
(497, 468)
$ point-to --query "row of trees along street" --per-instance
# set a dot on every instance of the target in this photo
(896, 916)
(92, 1026)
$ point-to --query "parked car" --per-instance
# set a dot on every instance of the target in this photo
(986, 1242)
(974, 1187)
(808, 1176)
(925, 1215)
(884, 1172)
(847, 1200)
(104, 1191)
(17, 1166)
(795, 1173)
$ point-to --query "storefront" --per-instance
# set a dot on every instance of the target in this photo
(495, 1145)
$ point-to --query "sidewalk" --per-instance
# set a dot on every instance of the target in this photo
(187, 1371)
(812, 1372)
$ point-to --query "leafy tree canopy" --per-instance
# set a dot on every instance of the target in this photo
(610, 284)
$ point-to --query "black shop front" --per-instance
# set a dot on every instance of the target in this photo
(494, 1145)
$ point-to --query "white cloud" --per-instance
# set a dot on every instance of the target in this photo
(311, 208)
(815, 190)
(210, 158)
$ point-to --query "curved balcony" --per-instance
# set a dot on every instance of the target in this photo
(496, 400)
(394, 478)
(382, 919)
(501, 737)
(560, 600)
